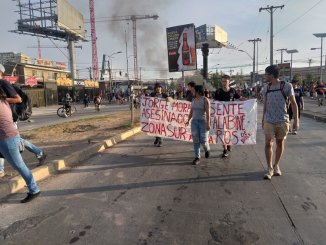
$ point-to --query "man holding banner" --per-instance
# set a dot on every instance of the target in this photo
(159, 94)
(226, 93)
(275, 120)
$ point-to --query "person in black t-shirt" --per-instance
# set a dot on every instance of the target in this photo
(190, 94)
(226, 93)
(158, 93)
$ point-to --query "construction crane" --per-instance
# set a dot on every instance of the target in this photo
(93, 39)
(133, 18)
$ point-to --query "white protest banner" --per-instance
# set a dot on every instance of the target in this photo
(232, 123)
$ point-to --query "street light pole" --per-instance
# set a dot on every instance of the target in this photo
(110, 67)
(321, 35)
(292, 51)
(253, 62)
(282, 49)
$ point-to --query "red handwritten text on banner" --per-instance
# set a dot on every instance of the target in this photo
(233, 123)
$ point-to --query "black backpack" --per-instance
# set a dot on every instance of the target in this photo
(23, 110)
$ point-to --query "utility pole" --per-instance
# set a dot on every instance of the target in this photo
(271, 10)
(90, 73)
(256, 40)
(282, 50)
(309, 62)
(205, 51)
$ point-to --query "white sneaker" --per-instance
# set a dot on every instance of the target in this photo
(2, 174)
(269, 174)
(294, 132)
(277, 171)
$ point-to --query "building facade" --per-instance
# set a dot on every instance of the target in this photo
(47, 82)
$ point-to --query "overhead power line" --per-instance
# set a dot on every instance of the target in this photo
(299, 17)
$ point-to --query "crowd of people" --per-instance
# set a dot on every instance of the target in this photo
(282, 102)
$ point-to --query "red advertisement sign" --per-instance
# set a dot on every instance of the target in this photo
(181, 46)
(11, 79)
(31, 81)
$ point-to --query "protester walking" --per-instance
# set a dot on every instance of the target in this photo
(9, 148)
(299, 99)
(86, 100)
(190, 91)
(320, 93)
(97, 102)
(200, 123)
(275, 120)
(12, 97)
(226, 93)
(158, 92)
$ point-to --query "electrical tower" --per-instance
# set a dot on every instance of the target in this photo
(93, 37)
(134, 18)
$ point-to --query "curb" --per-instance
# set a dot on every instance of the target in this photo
(315, 116)
(17, 183)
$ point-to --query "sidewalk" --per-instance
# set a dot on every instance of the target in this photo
(312, 110)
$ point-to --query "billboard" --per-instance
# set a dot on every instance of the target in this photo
(70, 19)
(181, 44)
(201, 34)
(221, 36)
(214, 36)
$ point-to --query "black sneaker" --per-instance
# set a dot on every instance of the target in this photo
(196, 161)
(41, 159)
(156, 141)
(225, 153)
(229, 148)
(30, 197)
(207, 154)
(159, 144)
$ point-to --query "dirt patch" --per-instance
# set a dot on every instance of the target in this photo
(63, 139)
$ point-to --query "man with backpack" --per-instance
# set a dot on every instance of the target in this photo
(275, 120)
(226, 93)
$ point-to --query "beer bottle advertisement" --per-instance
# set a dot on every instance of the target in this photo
(181, 45)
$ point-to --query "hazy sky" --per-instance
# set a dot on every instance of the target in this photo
(241, 19)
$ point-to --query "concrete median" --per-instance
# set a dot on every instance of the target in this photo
(17, 183)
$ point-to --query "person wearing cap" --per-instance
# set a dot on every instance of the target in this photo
(12, 96)
(158, 92)
(299, 99)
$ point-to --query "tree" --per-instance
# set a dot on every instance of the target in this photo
(172, 85)
(239, 79)
(298, 77)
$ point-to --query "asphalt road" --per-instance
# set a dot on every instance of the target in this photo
(48, 116)
(136, 193)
